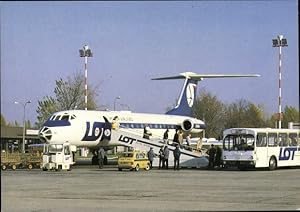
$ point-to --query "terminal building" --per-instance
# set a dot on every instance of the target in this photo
(12, 138)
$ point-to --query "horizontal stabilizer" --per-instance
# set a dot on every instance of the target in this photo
(199, 77)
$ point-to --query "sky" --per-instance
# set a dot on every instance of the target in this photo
(133, 42)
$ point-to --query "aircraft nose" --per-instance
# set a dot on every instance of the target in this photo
(45, 134)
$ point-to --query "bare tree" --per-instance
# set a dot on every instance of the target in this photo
(211, 110)
(69, 94)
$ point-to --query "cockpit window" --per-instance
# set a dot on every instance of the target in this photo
(65, 117)
(57, 118)
(73, 117)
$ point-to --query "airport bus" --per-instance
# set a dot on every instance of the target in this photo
(261, 147)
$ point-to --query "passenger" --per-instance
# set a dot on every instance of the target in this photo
(188, 139)
(175, 138)
(101, 155)
(147, 132)
(166, 157)
(180, 137)
(177, 154)
(211, 153)
(151, 156)
(166, 136)
(161, 158)
(199, 145)
(218, 156)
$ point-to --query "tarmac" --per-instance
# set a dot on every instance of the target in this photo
(88, 188)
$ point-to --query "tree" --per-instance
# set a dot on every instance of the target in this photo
(69, 95)
(290, 114)
(3, 121)
(211, 110)
(244, 114)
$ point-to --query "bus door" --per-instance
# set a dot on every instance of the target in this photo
(261, 150)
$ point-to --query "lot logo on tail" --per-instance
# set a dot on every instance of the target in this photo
(190, 93)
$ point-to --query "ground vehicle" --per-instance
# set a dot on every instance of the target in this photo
(14, 160)
(261, 147)
(134, 160)
(58, 156)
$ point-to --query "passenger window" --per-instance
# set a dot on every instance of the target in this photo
(272, 139)
(261, 140)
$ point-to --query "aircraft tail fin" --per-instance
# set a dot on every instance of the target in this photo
(189, 89)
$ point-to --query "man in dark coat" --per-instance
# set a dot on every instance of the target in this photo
(211, 153)
(151, 156)
(177, 154)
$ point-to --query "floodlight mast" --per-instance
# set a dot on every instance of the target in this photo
(85, 52)
(279, 42)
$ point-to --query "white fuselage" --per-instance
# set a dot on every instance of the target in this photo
(86, 128)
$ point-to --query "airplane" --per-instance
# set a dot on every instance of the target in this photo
(86, 128)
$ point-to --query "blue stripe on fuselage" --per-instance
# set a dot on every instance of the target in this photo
(58, 123)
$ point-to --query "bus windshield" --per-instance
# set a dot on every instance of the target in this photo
(238, 142)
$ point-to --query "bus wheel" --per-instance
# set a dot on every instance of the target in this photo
(137, 168)
(272, 163)
(4, 167)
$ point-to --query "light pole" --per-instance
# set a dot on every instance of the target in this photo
(85, 52)
(118, 97)
(23, 137)
(279, 42)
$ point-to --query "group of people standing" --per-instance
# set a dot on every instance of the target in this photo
(214, 158)
(164, 157)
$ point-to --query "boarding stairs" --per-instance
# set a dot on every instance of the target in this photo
(190, 158)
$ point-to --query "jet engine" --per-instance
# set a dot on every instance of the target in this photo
(189, 125)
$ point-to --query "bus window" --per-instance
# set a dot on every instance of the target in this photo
(228, 142)
(261, 140)
(272, 139)
(292, 140)
(239, 142)
(282, 138)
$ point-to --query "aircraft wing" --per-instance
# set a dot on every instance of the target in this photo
(199, 77)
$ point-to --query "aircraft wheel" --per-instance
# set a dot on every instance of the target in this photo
(272, 163)
(137, 168)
